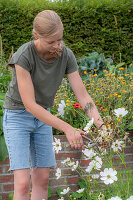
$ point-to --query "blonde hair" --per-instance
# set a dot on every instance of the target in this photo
(46, 23)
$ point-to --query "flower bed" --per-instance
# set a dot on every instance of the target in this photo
(68, 177)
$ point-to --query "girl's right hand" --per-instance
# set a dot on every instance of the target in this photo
(75, 139)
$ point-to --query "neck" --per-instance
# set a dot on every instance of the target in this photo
(44, 54)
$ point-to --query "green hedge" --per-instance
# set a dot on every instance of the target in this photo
(101, 26)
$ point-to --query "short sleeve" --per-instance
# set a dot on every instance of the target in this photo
(72, 65)
(21, 58)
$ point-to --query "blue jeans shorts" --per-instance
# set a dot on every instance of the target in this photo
(29, 141)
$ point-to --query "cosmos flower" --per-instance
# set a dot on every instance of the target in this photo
(67, 161)
(130, 198)
(97, 162)
(80, 190)
(75, 166)
(65, 191)
(89, 153)
(94, 164)
(90, 167)
(108, 176)
(58, 173)
(62, 198)
(95, 176)
(120, 112)
(115, 198)
(61, 108)
(101, 196)
(117, 145)
(57, 145)
(88, 126)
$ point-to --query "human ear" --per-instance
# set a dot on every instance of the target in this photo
(35, 35)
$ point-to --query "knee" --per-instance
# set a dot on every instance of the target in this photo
(43, 181)
(40, 179)
(23, 186)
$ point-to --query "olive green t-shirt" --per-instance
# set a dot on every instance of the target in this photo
(46, 76)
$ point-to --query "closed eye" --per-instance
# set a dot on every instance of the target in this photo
(52, 42)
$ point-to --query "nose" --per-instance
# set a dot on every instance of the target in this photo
(56, 44)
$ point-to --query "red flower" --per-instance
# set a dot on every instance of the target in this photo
(76, 105)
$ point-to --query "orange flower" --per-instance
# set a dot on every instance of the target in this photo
(108, 125)
(121, 68)
(105, 109)
(120, 78)
(124, 91)
(85, 72)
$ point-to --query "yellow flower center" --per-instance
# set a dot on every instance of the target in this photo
(108, 176)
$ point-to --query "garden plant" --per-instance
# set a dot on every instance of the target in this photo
(104, 178)
(104, 27)
(111, 89)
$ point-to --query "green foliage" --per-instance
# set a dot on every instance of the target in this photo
(130, 126)
(11, 196)
(3, 149)
(1, 112)
(94, 61)
(5, 78)
(49, 192)
(100, 26)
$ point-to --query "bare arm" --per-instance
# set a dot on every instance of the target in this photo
(84, 98)
(26, 90)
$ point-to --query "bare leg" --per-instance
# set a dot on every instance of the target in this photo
(21, 184)
(40, 179)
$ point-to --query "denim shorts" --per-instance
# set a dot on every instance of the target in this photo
(29, 141)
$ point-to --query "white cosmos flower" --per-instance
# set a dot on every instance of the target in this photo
(62, 198)
(105, 135)
(130, 198)
(97, 163)
(89, 153)
(67, 161)
(108, 175)
(117, 145)
(115, 198)
(74, 167)
(65, 191)
(57, 145)
(90, 167)
(120, 112)
(61, 108)
(95, 176)
(88, 125)
(101, 196)
(94, 164)
(80, 190)
(58, 173)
